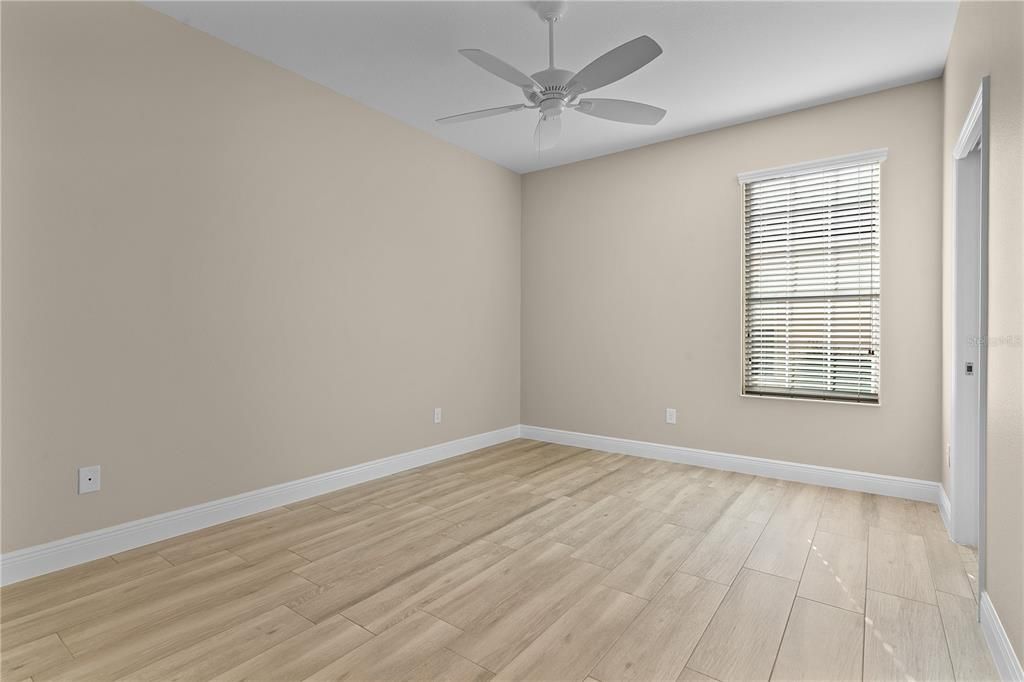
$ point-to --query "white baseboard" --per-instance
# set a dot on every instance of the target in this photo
(946, 511)
(893, 486)
(33, 561)
(52, 556)
(1007, 663)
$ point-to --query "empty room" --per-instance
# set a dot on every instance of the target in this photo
(589, 341)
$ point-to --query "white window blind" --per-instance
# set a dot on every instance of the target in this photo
(811, 284)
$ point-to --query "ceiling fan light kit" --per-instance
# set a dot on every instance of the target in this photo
(553, 91)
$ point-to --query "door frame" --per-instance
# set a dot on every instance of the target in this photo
(968, 466)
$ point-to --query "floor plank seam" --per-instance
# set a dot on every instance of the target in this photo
(610, 647)
(795, 593)
(484, 534)
(823, 603)
(945, 639)
(724, 597)
(64, 644)
(864, 621)
(892, 594)
(746, 558)
(397, 579)
(590, 485)
(230, 550)
(287, 606)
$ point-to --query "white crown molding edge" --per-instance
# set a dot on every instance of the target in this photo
(880, 484)
(1007, 663)
(33, 561)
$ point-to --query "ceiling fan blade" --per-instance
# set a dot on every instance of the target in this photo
(488, 62)
(547, 132)
(613, 65)
(483, 113)
(621, 110)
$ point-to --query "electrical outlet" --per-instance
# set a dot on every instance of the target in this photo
(437, 415)
(88, 479)
(670, 415)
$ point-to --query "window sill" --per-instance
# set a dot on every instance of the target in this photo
(827, 401)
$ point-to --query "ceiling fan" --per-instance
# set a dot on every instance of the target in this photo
(553, 91)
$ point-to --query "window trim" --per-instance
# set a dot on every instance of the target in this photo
(829, 163)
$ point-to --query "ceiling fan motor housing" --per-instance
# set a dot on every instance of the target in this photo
(554, 92)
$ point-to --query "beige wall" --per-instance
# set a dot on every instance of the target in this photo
(989, 40)
(219, 276)
(631, 288)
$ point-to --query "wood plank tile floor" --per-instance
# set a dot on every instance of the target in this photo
(524, 561)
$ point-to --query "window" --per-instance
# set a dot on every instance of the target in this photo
(811, 280)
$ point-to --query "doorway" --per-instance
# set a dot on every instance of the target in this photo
(970, 324)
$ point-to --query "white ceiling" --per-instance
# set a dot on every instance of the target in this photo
(723, 62)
